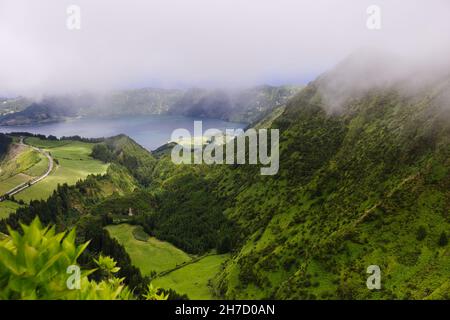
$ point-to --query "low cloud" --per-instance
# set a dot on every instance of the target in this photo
(211, 43)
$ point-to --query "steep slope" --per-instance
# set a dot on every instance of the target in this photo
(363, 182)
(128, 153)
(246, 106)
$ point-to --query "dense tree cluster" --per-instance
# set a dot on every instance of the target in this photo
(5, 141)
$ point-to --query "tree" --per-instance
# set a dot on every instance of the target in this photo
(421, 233)
(443, 239)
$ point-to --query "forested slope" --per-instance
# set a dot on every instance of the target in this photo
(364, 180)
(5, 142)
(365, 184)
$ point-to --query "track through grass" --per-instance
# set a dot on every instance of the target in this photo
(190, 277)
(150, 255)
(73, 163)
(193, 279)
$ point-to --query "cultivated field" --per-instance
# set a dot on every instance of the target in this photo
(73, 162)
(192, 275)
(193, 279)
(150, 255)
(20, 165)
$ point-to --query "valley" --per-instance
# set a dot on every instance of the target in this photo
(361, 182)
(267, 156)
(148, 253)
(168, 266)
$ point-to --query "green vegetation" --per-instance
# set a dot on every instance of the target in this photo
(368, 185)
(20, 164)
(355, 188)
(72, 163)
(138, 203)
(268, 120)
(443, 239)
(189, 276)
(363, 183)
(7, 207)
(5, 142)
(10, 183)
(195, 278)
(160, 213)
(128, 154)
(39, 167)
(37, 265)
(151, 255)
(17, 166)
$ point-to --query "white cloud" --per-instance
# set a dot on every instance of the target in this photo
(201, 42)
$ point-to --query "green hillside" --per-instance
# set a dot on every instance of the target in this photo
(7, 207)
(368, 185)
(147, 253)
(72, 163)
(364, 180)
(194, 279)
(21, 159)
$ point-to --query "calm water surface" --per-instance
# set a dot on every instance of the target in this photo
(149, 131)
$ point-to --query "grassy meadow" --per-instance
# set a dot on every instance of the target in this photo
(150, 255)
(21, 165)
(11, 182)
(193, 279)
(72, 163)
(7, 207)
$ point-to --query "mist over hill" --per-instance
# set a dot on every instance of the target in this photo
(352, 96)
(364, 180)
(245, 105)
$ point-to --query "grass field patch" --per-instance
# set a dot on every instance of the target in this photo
(193, 279)
(7, 207)
(72, 163)
(150, 255)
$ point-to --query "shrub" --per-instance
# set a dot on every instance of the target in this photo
(421, 233)
(41, 264)
(443, 239)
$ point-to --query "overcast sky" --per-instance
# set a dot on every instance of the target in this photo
(213, 43)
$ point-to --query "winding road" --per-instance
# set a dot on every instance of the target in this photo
(28, 184)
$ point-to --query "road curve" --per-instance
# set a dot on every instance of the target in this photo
(28, 184)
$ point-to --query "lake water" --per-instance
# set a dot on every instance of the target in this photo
(149, 131)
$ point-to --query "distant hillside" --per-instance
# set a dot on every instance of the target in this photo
(48, 110)
(11, 105)
(239, 106)
(132, 102)
(245, 105)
